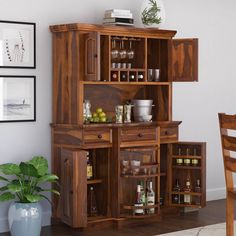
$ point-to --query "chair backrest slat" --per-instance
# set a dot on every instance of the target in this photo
(230, 163)
(229, 143)
(227, 121)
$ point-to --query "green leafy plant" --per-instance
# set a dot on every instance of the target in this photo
(23, 184)
(150, 14)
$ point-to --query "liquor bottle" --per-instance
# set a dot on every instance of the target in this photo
(92, 205)
(138, 202)
(143, 195)
(179, 161)
(176, 197)
(197, 189)
(150, 198)
(187, 160)
(195, 161)
(187, 189)
(89, 168)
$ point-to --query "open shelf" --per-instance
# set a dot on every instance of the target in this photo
(185, 156)
(185, 193)
(94, 181)
(187, 167)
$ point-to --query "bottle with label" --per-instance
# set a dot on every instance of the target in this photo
(197, 189)
(187, 160)
(151, 198)
(89, 168)
(176, 197)
(92, 205)
(138, 202)
(179, 161)
(143, 195)
(187, 189)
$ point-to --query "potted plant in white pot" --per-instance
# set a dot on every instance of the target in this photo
(152, 13)
(23, 184)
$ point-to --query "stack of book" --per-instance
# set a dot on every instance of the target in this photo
(118, 17)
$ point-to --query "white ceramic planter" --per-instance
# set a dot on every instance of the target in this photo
(25, 219)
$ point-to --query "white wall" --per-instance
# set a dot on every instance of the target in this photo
(196, 104)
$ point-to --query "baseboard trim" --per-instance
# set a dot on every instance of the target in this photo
(215, 194)
(46, 220)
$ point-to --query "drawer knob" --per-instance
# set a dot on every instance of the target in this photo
(140, 135)
(166, 132)
(99, 136)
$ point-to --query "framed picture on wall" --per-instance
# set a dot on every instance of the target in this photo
(17, 98)
(17, 44)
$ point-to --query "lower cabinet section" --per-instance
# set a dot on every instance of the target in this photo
(84, 186)
(99, 185)
(187, 174)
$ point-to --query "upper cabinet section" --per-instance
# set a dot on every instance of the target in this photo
(115, 54)
(183, 58)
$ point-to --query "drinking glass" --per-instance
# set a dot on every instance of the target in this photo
(123, 51)
(130, 52)
(114, 50)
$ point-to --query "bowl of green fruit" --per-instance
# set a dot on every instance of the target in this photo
(99, 116)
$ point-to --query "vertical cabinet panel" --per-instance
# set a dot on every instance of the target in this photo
(74, 188)
(187, 161)
(92, 56)
(183, 60)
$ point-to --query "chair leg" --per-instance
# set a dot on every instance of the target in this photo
(229, 216)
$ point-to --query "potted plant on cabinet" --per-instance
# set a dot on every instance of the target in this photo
(152, 13)
(23, 183)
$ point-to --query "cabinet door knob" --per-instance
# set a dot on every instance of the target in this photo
(99, 136)
(166, 132)
(140, 135)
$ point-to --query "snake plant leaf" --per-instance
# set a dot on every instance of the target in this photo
(40, 163)
(7, 196)
(48, 178)
(28, 169)
(33, 197)
(10, 169)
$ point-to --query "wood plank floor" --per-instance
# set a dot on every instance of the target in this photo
(213, 213)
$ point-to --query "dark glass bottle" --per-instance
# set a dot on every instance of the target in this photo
(176, 198)
(92, 205)
(197, 189)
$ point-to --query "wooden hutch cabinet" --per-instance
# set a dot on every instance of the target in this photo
(85, 67)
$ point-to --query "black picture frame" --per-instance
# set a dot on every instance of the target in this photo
(18, 42)
(18, 100)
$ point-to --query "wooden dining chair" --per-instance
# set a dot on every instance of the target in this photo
(228, 143)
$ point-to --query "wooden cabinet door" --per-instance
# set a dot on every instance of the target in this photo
(74, 188)
(183, 60)
(92, 56)
(189, 153)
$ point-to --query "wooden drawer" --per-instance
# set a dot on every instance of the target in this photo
(140, 134)
(97, 136)
(169, 134)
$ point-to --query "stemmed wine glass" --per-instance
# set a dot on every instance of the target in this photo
(114, 50)
(123, 51)
(130, 52)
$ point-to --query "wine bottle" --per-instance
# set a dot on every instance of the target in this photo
(138, 202)
(89, 168)
(198, 190)
(151, 198)
(92, 205)
(187, 189)
(143, 195)
(176, 196)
